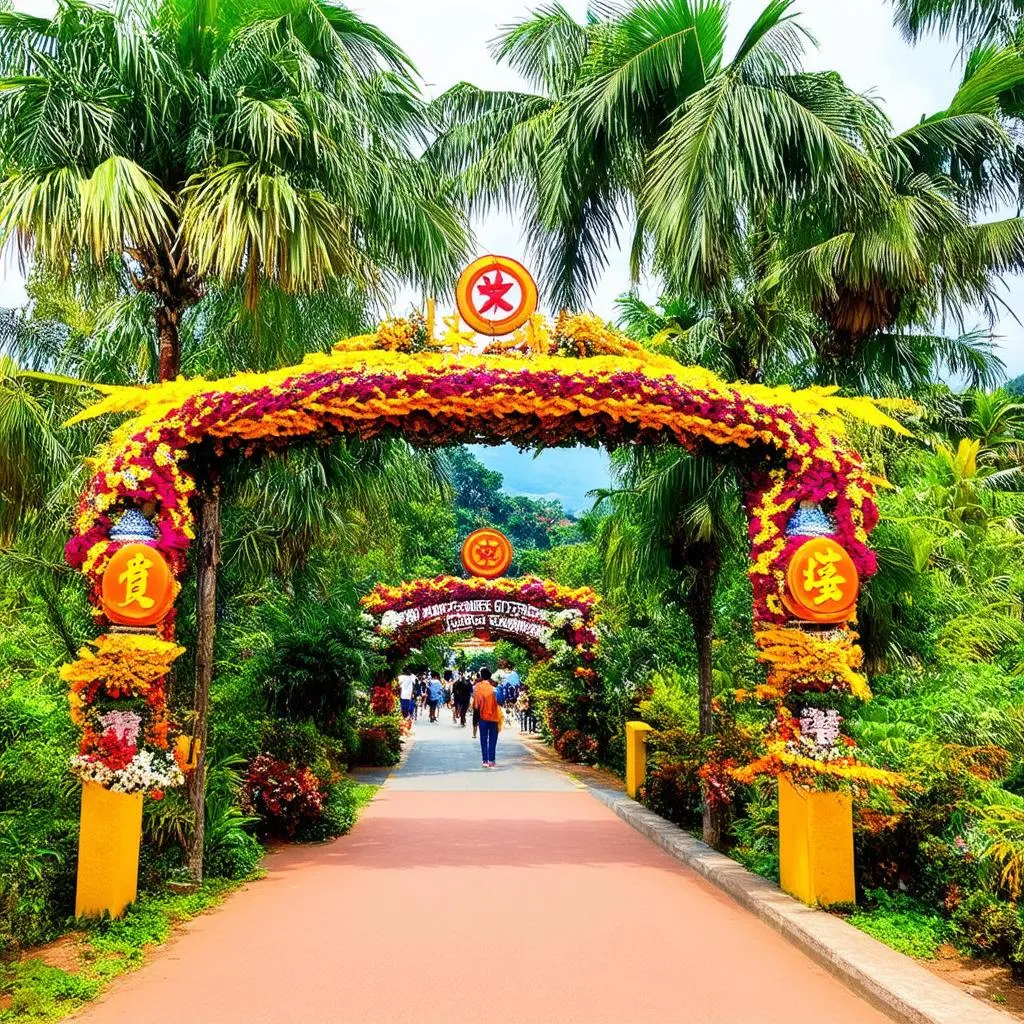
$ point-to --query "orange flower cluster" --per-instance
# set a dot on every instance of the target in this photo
(810, 774)
(124, 665)
(802, 660)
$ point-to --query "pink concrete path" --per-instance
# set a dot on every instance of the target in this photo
(509, 897)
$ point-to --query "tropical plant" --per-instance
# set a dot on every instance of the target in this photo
(970, 21)
(181, 143)
(881, 271)
(673, 517)
(639, 116)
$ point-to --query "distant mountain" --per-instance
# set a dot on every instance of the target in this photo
(1015, 386)
(564, 474)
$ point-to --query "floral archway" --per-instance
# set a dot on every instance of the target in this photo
(545, 618)
(575, 381)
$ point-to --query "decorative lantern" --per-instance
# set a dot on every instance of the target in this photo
(810, 520)
(133, 527)
(821, 582)
(138, 587)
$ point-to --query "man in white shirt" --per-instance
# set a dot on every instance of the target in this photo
(406, 682)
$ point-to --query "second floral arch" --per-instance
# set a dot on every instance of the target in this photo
(571, 382)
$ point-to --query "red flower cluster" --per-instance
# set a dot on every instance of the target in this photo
(284, 796)
(382, 700)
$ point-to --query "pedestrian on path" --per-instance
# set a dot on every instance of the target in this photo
(486, 703)
(434, 695)
(406, 685)
(462, 692)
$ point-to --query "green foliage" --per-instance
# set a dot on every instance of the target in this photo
(756, 831)
(341, 806)
(672, 703)
(379, 741)
(903, 923)
(39, 992)
(317, 654)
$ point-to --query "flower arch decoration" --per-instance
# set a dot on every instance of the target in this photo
(575, 382)
(540, 615)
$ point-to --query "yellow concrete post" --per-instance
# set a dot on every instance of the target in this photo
(108, 851)
(636, 756)
(815, 845)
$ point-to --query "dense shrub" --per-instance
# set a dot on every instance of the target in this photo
(380, 741)
(285, 797)
(672, 788)
(573, 745)
(340, 807)
(319, 650)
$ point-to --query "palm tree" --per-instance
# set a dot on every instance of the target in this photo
(639, 121)
(182, 147)
(972, 22)
(238, 142)
(674, 515)
(745, 332)
(880, 276)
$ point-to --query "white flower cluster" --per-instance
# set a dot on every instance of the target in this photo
(819, 735)
(148, 769)
(565, 616)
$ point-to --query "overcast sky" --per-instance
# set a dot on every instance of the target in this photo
(447, 40)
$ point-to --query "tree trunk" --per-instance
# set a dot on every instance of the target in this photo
(168, 320)
(700, 606)
(207, 560)
(167, 273)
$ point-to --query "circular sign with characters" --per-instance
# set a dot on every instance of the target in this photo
(821, 582)
(138, 587)
(496, 295)
(487, 553)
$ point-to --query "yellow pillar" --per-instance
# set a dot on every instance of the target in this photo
(636, 756)
(108, 851)
(815, 845)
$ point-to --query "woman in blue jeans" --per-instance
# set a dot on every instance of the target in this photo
(486, 703)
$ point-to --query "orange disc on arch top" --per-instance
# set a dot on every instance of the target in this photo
(137, 587)
(496, 295)
(487, 553)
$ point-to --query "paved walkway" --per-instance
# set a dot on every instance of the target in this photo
(508, 896)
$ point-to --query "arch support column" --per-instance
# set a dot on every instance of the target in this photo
(108, 851)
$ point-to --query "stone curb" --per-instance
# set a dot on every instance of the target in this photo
(895, 983)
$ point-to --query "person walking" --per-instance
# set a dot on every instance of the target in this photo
(435, 693)
(486, 703)
(462, 693)
(406, 686)
(523, 707)
(472, 701)
(512, 685)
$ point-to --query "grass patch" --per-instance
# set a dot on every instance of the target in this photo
(34, 992)
(902, 923)
(39, 993)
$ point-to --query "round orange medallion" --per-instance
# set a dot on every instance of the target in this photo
(821, 582)
(487, 553)
(496, 295)
(137, 587)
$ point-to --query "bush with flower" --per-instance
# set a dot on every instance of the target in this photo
(286, 798)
